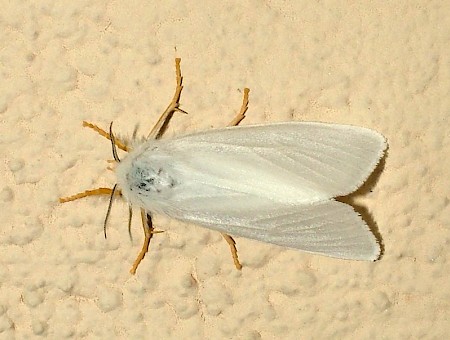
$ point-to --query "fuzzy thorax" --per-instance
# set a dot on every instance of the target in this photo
(142, 177)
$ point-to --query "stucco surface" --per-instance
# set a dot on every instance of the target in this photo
(384, 66)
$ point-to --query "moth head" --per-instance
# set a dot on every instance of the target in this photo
(128, 175)
(120, 167)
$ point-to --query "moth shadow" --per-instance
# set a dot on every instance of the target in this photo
(367, 187)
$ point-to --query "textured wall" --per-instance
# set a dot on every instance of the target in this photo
(385, 67)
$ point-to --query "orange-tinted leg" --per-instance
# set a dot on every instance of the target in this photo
(93, 192)
(236, 120)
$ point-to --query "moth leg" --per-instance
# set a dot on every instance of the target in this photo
(232, 243)
(121, 145)
(241, 115)
(236, 120)
(163, 121)
(147, 225)
(94, 192)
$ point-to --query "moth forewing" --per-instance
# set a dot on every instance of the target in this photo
(274, 183)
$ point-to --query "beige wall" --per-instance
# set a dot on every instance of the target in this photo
(383, 66)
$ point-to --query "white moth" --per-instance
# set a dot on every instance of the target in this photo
(274, 183)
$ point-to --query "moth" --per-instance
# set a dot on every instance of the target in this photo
(274, 183)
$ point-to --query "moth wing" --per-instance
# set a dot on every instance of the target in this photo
(328, 228)
(272, 183)
(297, 162)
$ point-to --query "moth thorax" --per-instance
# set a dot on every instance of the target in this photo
(146, 180)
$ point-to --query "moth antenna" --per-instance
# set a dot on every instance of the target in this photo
(130, 215)
(136, 127)
(113, 144)
(113, 191)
